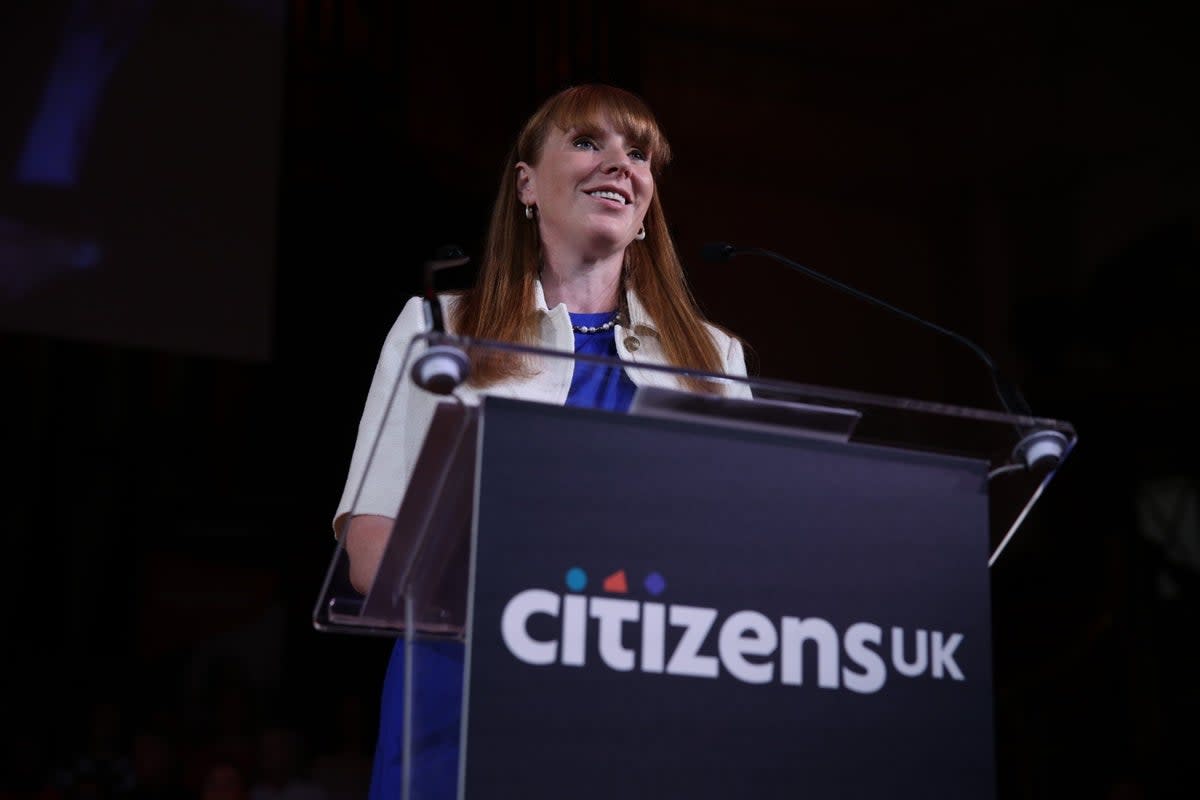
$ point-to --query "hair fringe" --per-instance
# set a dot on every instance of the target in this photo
(500, 304)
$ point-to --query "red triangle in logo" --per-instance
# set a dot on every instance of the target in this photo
(616, 583)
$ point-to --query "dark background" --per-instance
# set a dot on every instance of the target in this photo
(1022, 173)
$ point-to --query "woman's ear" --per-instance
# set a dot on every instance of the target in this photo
(525, 192)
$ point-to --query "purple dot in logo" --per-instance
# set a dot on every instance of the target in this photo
(655, 584)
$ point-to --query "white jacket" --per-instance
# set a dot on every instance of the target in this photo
(411, 408)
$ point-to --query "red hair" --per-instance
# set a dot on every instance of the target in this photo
(500, 305)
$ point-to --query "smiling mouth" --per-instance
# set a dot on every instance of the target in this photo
(607, 195)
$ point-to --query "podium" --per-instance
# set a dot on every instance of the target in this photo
(737, 588)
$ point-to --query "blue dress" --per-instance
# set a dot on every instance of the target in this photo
(438, 666)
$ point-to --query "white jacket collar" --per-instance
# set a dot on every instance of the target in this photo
(638, 318)
(539, 296)
(639, 321)
(637, 340)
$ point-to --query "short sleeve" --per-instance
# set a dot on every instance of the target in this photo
(394, 420)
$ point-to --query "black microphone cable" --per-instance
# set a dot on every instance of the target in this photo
(1036, 446)
(442, 368)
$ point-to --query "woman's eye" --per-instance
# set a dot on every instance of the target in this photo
(584, 143)
(639, 155)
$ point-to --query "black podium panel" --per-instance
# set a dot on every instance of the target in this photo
(668, 609)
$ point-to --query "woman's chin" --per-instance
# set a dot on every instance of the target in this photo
(608, 240)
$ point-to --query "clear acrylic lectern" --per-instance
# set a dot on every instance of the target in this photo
(837, 543)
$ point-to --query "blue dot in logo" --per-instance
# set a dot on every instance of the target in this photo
(655, 584)
(576, 579)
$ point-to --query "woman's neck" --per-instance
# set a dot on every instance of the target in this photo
(583, 288)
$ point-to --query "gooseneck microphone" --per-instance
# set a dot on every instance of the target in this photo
(1037, 447)
(442, 368)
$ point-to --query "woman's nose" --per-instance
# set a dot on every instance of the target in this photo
(618, 162)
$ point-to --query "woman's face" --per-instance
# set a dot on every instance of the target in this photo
(592, 188)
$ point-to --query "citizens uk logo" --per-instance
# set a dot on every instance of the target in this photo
(692, 641)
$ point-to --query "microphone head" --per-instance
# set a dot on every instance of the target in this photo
(441, 369)
(718, 251)
(1041, 449)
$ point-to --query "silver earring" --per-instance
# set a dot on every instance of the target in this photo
(528, 212)
(641, 234)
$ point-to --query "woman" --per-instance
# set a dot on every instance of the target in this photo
(578, 257)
